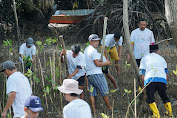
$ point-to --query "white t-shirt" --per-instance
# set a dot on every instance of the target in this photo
(142, 40)
(74, 62)
(18, 83)
(110, 42)
(77, 109)
(104, 59)
(27, 51)
(91, 54)
(154, 66)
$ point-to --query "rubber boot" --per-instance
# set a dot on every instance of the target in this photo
(154, 109)
(169, 109)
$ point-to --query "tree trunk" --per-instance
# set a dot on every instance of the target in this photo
(171, 15)
(127, 37)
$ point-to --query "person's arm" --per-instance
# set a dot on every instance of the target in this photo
(105, 52)
(61, 56)
(101, 64)
(33, 56)
(142, 80)
(21, 55)
(119, 52)
(75, 72)
(9, 103)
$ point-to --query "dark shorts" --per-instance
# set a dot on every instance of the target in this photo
(105, 69)
(156, 86)
(81, 81)
(138, 62)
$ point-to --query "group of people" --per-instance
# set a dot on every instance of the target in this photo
(87, 68)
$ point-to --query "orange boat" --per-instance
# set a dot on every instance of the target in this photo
(70, 16)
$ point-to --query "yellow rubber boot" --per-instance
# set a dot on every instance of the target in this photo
(154, 109)
(169, 109)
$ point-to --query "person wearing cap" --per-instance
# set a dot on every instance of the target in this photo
(94, 72)
(76, 64)
(18, 89)
(32, 107)
(28, 49)
(111, 40)
(141, 38)
(154, 75)
(77, 108)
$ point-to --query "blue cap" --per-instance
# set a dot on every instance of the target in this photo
(34, 103)
(29, 41)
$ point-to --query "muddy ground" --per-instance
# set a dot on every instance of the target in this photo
(125, 80)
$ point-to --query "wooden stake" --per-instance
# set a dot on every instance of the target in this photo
(65, 57)
(135, 95)
(104, 34)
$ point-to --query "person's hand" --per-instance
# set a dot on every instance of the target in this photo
(69, 76)
(63, 52)
(108, 63)
(4, 113)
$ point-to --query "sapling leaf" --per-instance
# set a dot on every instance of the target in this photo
(104, 115)
(91, 89)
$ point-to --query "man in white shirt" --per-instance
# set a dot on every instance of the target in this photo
(32, 107)
(154, 75)
(141, 38)
(76, 64)
(28, 49)
(110, 48)
(94, 72)
(77, 108)
(18, 89)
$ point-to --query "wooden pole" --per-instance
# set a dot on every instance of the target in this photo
(65, 57)
(127, 37)
(135, 95)
(104, 34)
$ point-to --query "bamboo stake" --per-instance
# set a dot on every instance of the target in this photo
(51, 72)
(104, 34)
(65, 57)
(43, 82)
(54, 71)
(59, 63)
(135, 95)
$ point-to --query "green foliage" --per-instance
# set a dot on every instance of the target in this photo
(27, 61)
(39, 43)
(175, 71)
(113, 90)
(104, 115)
(8, 43)
(91, 89)
(60, 47)
(47, 90)
(29, 73)
(127, 65)
(87, 44)
(108, 48)
(9, 115)
(49, 41)
(127, 91)
(37, 80)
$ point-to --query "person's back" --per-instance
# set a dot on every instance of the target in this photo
(20, 84)
(77, 109)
